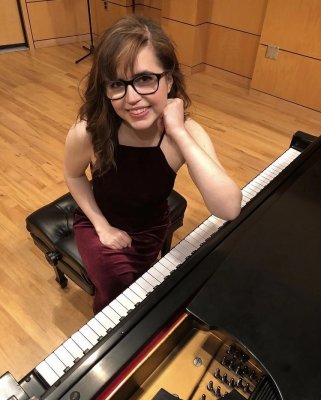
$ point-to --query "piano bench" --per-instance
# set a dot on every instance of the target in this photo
(51, 228)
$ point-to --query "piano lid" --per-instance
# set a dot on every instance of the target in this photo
(266, 291)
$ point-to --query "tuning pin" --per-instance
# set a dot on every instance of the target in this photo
(210, 386)
(253, 375)
(246, 388)
(217, 374)
(224, 379)
(232, 383)
(203, 397)
(239, 383)
(224, 361)
(231, 349)
(218, 391)
(239, 370)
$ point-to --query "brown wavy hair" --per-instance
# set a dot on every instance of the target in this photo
(119, 45)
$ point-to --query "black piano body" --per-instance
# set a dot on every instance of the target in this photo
(258, 278)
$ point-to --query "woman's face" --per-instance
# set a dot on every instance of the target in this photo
(139, 111)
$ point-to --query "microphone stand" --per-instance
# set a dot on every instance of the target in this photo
(92, 47)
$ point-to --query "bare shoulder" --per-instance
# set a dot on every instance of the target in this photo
(78, 148)
(78, 134)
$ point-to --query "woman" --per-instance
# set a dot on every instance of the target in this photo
(133, 133)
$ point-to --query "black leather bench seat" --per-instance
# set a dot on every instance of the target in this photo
(51, 228)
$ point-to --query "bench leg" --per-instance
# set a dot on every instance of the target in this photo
(60, 277)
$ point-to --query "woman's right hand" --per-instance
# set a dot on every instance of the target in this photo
(114, 238)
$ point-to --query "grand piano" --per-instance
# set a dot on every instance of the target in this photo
(232, 312)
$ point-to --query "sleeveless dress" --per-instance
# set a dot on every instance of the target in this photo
(132, 197)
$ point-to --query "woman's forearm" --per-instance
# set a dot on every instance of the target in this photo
(220, 193)
(81, 190)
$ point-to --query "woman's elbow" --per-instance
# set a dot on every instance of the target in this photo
(230, 208)
(233, 208)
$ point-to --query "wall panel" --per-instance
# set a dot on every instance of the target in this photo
(291, 77)
(190, 41)
(244, 15)
(149, 12)
(295, 72)
(294, 25)
(193, 12)
(58, 18)
(11, 31)
(231, 50)
(104, 16)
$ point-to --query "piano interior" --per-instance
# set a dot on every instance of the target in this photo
(193, 362)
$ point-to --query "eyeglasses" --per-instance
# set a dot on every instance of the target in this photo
(142, 84)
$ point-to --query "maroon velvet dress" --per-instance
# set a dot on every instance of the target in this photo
(133, 197)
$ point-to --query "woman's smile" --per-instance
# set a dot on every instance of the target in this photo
(138, 112)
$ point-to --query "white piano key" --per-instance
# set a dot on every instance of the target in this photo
(47, 373)
(97, 327)
(184, 249)
(281, 163)
(55, 364)
(188, 246)
(132, 296)
(150, 279)
(255, 189)
(217, 221)
(270, 173)
(82, 342)
(244, 202)
(162, 269)
(258, 186)
(178, 255)
(262, 180)
(64, 355)
(156, 274)
(246, 196)
(195, 234)
(126, 302)
(138, 290)
(144, 284)
(172, 259)
(213, 226)
(196, 242)
(181, 251)
(89, 334)
(105, 321)
(249, 193)
(256, 183)
(118, 308)
(111, 314)
(207, 230)
(73, 349)
(199, 231)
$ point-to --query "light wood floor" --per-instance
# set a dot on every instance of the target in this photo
(38, 103)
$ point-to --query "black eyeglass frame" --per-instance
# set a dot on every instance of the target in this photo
(131, 83)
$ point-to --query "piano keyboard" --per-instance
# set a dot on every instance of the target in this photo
(73, 349)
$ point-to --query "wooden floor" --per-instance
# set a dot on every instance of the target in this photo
(38, 103)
